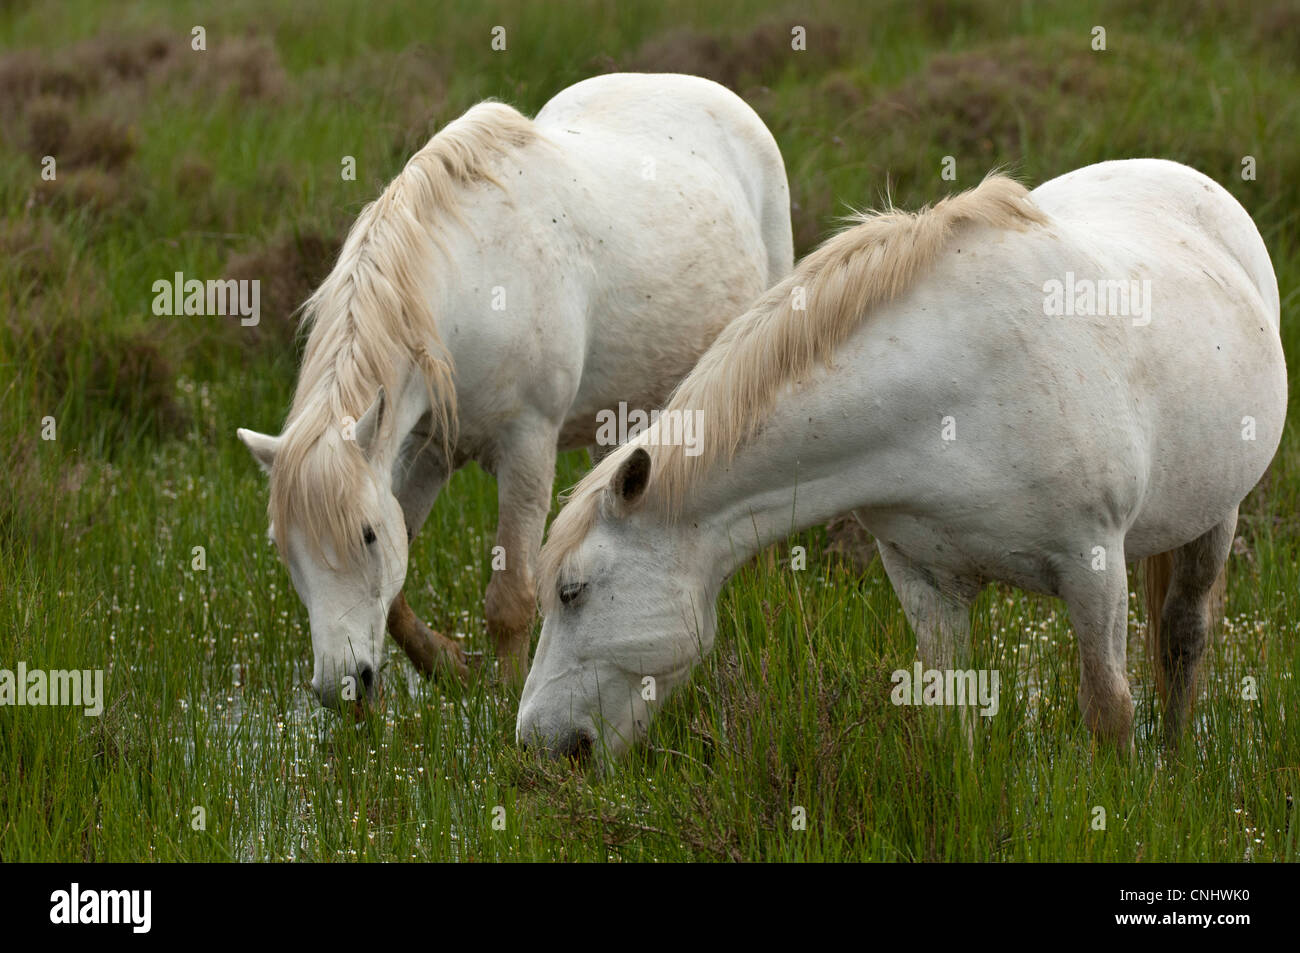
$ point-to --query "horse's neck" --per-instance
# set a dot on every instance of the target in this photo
(764, 515)
(792, 475)
(411, 407)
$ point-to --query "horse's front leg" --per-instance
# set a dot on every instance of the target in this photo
(525, 471)
(429, 651)
(417, 486)
(938, 608)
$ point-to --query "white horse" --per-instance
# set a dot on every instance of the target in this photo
(516, 279)
(954, 383)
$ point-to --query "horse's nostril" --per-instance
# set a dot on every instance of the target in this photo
(577, 747)
(368, 678)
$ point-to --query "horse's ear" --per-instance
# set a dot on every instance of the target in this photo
(262, 446)
(631, 478)
(370, 423)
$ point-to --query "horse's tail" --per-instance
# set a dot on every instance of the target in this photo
(1157, 572)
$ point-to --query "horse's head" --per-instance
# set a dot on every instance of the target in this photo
(628, 613)
(342, 535)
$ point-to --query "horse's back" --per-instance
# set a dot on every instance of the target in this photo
(666, 125)
(663, 116)
(664, 105)
(1156, 201)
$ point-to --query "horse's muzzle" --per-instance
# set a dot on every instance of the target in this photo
(349, 688)
(574, 744)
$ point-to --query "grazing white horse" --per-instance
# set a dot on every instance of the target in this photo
(980, 422)
(518, 278)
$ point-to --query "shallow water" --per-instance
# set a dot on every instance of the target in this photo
(297, 739)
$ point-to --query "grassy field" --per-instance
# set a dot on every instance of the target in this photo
(226, 162)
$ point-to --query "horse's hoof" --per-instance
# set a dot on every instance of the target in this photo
(452, 655)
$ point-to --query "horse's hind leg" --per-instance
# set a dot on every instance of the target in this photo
(1180, 639)
(1095, 587)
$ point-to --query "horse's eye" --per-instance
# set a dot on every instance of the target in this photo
(367, 535)
(571, 591)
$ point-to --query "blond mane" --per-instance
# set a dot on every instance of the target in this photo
(738, 379)
(371, 320)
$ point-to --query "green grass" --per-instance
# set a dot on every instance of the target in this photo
(207, 704)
